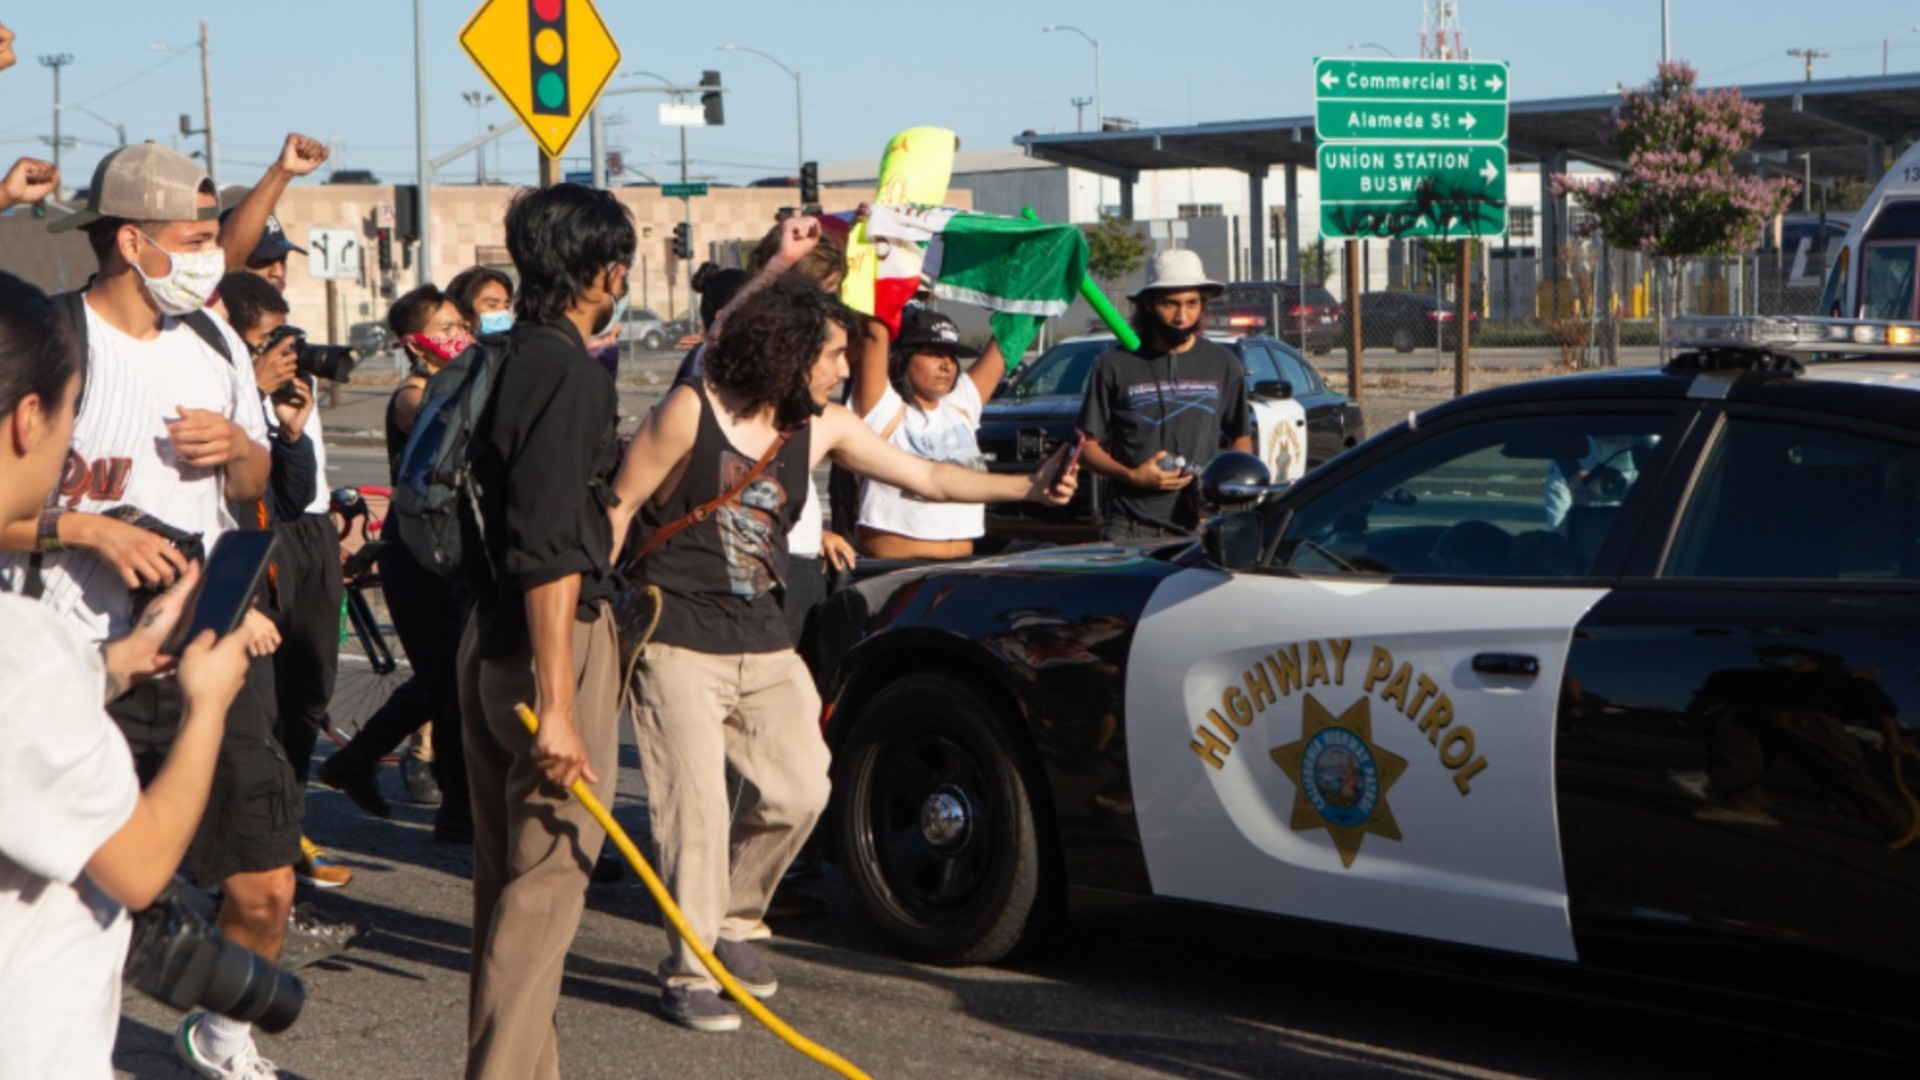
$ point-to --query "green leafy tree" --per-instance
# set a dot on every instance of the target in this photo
(1115, 249)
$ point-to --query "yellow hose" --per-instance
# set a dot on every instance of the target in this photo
(672, 910)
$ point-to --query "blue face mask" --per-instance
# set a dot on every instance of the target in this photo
(619, 311)
(496, 322)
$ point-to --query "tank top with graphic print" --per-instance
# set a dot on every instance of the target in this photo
(723, 577)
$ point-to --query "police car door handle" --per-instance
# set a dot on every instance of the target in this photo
(1495, 663)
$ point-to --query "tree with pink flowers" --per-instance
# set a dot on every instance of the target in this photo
(1680, 196)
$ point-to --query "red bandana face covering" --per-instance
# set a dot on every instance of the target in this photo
(446, 348)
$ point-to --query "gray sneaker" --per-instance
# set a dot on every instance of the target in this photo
(747, 967)
(701, 1010)
(422, 789)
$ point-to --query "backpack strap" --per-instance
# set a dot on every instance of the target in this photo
(203, 325)
(707, 510)
(893, 425)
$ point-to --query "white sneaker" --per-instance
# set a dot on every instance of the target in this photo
(245, 1065)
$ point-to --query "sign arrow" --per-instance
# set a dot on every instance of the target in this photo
(1329, 81)
(1490, 173)
(1467, 121)
(1495, 83)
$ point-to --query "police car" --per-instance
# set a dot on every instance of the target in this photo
(1611, 673)
(1298, 422)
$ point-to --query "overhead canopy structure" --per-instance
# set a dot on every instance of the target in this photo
(1846, 127)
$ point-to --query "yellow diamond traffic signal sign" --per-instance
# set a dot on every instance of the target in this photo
(549, 59)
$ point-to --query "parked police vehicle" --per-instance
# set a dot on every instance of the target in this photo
(1610, 677)
(1298, 422)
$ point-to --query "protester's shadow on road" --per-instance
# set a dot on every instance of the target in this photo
(145, 1052)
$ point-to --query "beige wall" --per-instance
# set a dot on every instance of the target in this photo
(465, 220)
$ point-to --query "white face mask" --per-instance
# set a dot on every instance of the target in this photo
(190, 281)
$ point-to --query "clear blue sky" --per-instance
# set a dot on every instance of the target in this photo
(343, 69)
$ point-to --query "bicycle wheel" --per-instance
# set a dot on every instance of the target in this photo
(372, 665)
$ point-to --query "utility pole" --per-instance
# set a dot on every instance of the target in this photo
(1080, 112)
(1810, 56)
(423, 214)
(1666, 50)
(56, 61)
(206, 109)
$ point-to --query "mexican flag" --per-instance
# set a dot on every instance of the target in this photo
(1023, 271)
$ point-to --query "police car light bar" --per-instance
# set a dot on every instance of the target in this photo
(1792, 334)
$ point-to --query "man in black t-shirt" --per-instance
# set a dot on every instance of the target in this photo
(1179, 397)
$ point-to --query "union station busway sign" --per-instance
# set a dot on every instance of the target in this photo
(1411, 147)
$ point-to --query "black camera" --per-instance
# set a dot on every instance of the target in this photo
(335, 362)
(191, 547)
(180, 958)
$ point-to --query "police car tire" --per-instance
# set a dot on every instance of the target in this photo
(1010, 898)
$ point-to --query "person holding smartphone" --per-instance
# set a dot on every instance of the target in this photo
(80, 843)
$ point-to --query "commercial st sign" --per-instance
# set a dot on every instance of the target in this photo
(1411, 147)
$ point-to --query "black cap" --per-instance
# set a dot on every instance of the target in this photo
(926, 329)
(273, 245)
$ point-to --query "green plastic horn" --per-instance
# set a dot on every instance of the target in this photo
(1098, 301)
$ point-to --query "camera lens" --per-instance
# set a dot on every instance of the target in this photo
(244, 986)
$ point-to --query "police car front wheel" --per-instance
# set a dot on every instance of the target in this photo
(936, 824)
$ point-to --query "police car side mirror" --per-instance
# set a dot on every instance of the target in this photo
(1273, 388)
(1233, 541)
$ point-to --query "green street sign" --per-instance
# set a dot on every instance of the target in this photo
(1401, 121)
(1424, 81)
(1412, 189)
(683, 191)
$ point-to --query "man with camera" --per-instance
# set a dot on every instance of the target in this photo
(308, 564)
(169, 431)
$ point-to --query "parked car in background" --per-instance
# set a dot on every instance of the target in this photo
(1039, 408)
(1304, 315)
(646, 330)
(1408, 320)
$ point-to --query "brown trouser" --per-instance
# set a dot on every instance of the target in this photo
(533, 847)
(698, 716)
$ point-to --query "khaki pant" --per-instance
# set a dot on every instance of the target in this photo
(696, 717)
(533, 847)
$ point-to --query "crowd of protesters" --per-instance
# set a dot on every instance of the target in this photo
(162, 404)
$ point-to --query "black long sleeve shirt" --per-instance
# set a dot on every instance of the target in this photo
(544, 465)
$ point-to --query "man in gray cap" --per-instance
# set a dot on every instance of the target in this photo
(1154, 415)
(169, 431)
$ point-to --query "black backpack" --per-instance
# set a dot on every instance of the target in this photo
(436, 499)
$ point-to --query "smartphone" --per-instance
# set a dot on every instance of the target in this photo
(1073, 456)
(227, 586)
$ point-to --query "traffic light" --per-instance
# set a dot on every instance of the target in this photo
(547, 40)
(716, 114)
(683, 241)
(809, 183)
(406, 212)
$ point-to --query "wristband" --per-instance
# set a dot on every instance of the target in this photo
(47, 537)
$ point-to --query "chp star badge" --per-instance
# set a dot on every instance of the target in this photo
(1340, 778)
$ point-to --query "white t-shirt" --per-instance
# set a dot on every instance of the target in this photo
(948, 433)
(121, 456)
(66, 786)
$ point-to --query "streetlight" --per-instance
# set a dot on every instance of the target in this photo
(1099, 117)
(120, 128)
(479, 99)
(799, 118)
(1371, 45)
(1886, 46)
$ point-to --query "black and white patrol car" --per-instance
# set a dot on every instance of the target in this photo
(1611, 674)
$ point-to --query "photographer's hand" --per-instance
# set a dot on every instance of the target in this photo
(137, 657)
(143, 560)
(293, 410)
(277, 366)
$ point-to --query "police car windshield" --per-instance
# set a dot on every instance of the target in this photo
(1061, 371)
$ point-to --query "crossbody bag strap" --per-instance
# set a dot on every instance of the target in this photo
(893, 425)
(706, 510)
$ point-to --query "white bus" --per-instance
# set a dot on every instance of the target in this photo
(1873, 273)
